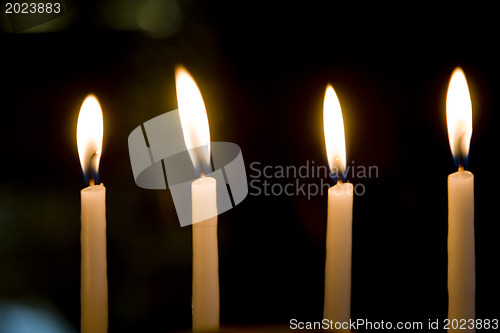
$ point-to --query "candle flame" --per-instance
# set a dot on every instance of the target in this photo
(459, 115)
(194, 120)
(89, 132)
(333, 125)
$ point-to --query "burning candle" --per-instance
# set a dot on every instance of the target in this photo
(194, 122)
(337, 306)
(461, 254)
(94, 281)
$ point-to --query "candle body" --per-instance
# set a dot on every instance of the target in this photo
(461, 253)
(94, 281)
(205, 255)
(337, 305)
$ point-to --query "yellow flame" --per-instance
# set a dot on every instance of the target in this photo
(333, 125)
(89, 132)
(459, 114)
(193, 117)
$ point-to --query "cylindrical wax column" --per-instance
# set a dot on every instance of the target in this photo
(338, 253)
(94, 284)
(461, 253)
(205, 255)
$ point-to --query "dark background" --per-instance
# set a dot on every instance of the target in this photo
(262, 69)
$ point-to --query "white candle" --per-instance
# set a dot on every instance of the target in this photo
(461, 253)
(461, 257)
(194, 122)
(337, 306)
(338, 253)
(94, 283)
(205, 255)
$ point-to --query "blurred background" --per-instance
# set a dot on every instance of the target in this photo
(262, 68)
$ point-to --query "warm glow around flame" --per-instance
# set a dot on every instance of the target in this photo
(89, 132)
(193, 117)
(459, 114)
(334, 131)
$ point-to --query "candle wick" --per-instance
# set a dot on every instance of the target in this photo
(340, 181)
(460, 167)
(91, 182)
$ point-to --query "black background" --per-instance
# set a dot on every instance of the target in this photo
(262, 69)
